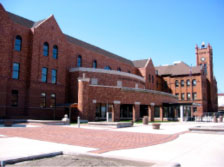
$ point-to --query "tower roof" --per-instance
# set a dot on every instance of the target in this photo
(179, 68)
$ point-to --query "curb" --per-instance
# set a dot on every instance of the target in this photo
(156, 163)
(16, 160)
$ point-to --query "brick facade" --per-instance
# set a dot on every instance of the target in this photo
(125, 88)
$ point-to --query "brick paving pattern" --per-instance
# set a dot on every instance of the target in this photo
(102, 140)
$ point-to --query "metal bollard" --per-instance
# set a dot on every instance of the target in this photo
(78, 122)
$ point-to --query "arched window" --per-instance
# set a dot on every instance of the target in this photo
(46, 49)
(119, 69)
(55, 52)
(79, 61)
(194, 82)
(188, 82)
(94, 64)
(18, 43)
(176, 83)
(107, 68)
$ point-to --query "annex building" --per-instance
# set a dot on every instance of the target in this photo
(43, 71)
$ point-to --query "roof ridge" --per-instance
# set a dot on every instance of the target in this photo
(96, 49)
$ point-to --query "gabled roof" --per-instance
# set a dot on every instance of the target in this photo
(21, 20)
(140, 63)
(30, 24)
(176, 69)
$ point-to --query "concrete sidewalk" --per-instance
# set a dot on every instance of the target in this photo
(190, 150)
(16, 149)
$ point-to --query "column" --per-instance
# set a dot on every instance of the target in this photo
(116, 111)
(151, 111)
(135, 111)
(83, 100)
(175, 112)
(161, 113)
(181, 113)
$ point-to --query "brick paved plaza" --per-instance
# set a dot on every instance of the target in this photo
(102, 140)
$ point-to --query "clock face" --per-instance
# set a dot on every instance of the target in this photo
(202, 59)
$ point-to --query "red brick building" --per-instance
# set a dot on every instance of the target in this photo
(43, 70)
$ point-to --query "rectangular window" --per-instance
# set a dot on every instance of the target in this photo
(182, 96)
(54, 76)
(156, 112)
(119, 83)
(176, 83)
(177, 94)
(43, 100)
(188, 96)
(44, 74)
(194, 109)
(53, 100)
(94, 81)
(152, 79)
(182, 83)
(149, 78)
(15, 97)
(194, 95)
(15, 71)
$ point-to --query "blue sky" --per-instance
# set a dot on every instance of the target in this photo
(165, 30)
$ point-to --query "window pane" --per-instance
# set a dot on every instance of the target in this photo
(182, 83)
(46, 49)
(14, 101)
(194, 82)
(43, 100)
(107, 68)
(53, 100)
(188, 82)
(44, 75)
(188, 96)
(15, 71)
(18, 43)
(54, 76)
(176, 83)
(55, 52)
(79, 61)
(182, 96)
(94, 64)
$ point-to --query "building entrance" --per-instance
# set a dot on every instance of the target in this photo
(143, 111)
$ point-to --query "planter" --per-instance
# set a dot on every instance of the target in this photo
(8, 122)
(156, 126)
(145, 120)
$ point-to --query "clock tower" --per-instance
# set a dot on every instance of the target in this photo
(204, 58)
